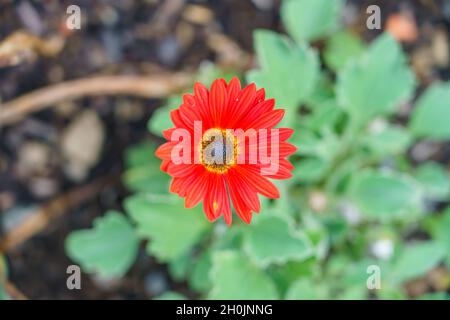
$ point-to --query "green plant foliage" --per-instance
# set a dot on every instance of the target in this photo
(281, 59)
(271, 239)
(3, 277)
(171, 229)
(3, 295)
(108, 249)
(161, 120)
(435, 296)
(171, 296)
(199, 278)
(391, 140)
(442, 235)
(355, 199)
(142, 173)
(377, 82)
(235, 277)
(416, 260)
(341, 48)
(307, 20)
(383, 195)
(306, 289)
(310, 169)
(354, 274)
(431, 113)
(179, 266)
(435, 180)
(3, 268)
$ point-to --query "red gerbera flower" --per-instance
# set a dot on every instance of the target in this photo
(229, 149)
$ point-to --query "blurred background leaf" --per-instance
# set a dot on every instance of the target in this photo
(108, 249)
(172, 230)
(307, 20)
(280, 59)
(382, 195)
(376, 82)
(431, 113)
(234, 277)
(270, 239)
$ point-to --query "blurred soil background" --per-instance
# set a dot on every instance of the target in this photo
(75, 147)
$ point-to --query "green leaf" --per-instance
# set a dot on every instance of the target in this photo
(323, 91)
(323, 116)
(284, 275)
(434, 178)
(377, 82)
(430, 117)
(179, 267)
(147, 179)
(307, 20)
(230, 238)
(3, 277)
(171, 229)
(3, 268)
(272, 239)
(388, 292)
(140, 154)
(235, 277)
(281, 60)
(434, 296)
(307, 140)
(441, 233)
(354, 293)
(143, 173)
(416, 260)
(310, 169)
(390, 140)
(171, 295)
(199, 278)
(160, 120)
(317, 234)
(385, 195)
(356, 273)
(341, 48)
(109, 248)
(306, 289)
(3, 295)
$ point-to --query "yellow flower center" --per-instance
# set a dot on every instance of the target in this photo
(218, 150)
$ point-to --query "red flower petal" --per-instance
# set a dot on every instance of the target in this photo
(227, 106)
(197, 190)
(253, 176)
(164, 151)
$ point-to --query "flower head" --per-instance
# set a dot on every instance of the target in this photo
(224, 147)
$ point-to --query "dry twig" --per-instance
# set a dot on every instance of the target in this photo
(40, 218)
(156, 86)
(13, 292)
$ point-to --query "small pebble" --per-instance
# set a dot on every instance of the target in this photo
(263, 5)
(383, 248)
(156, 283)
(34, 158)
(350, 212)
(82, 143)
(440, 48)
(169, 51)
(318, 201)
(43, 187)
(424, 150)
